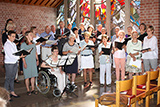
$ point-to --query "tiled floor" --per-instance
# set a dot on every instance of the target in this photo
(86, 97)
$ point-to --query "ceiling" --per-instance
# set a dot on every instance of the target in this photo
(47, 3)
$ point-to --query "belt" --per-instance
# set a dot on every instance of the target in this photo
(86, 55)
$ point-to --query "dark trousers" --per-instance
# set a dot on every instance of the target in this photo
(11, 70)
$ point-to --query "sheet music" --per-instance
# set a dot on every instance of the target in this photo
(75, 49)
(49, 62)
(62, 61)
(51, 42)
(136, 63)
(71, 59)
(47, 37)
(66, 33)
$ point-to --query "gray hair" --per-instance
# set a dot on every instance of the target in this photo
(10, 25)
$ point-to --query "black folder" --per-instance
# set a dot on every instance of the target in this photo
(142, 49)
(99, 39)
(42, 39)
(90, 46)
(60, 35)
(141, 37)
(24, 52)
(119, 45)
(107, 51)
(92, 36)
(126, 40)
(19, 40)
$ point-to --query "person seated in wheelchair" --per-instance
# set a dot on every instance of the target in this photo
(57, 71)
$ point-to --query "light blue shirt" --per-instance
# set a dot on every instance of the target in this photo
(87, 51)
(44, 34)
(104, 59)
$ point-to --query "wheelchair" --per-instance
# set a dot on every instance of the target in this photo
(45, 80)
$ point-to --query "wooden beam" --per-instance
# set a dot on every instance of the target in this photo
(58, 3)
(32, 2)
(53, 5)
(26, 1)
(6, 0)
(38, 2)
(44, 2)
(14, 1)
(50, 2)
(20, 1)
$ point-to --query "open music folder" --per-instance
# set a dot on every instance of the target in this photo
(119, 45)
(19, 39)
(42, 39)
(146, 49)
(107, 50)
(60, 35)
(66, 60)
(24, 52)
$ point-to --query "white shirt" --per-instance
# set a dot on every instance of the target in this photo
(9, 49)
(37, 46)
(131, 47)
(150, 43)
(104, 59)
(77, 39)
(119, 53)
(86, 51)
(100, 37)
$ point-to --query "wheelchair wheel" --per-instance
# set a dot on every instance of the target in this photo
(43, 82)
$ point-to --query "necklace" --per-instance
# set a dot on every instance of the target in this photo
(134, 43)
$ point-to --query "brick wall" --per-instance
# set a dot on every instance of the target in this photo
(150, 15)
(26, 15)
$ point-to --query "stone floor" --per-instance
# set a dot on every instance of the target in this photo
(86, 97)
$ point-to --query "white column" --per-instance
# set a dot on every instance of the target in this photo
(127, 14)
(108, 19)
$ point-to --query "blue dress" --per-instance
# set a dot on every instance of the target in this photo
(31, 70)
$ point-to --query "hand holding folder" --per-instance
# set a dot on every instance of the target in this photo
(119, 45)
(19, 40)
(42, 39)
(146, 49)
(23, 52)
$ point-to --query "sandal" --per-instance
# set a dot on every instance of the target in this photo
(28, 93)
(86, 85)
(90, 83)
(34, 92)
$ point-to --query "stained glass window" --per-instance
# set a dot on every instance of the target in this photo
(60, 13)
(135, 13)
(85, 12)
(100, 11)
(72, 13)
(117, 13)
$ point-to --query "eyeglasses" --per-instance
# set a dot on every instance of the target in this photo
(55, 51)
